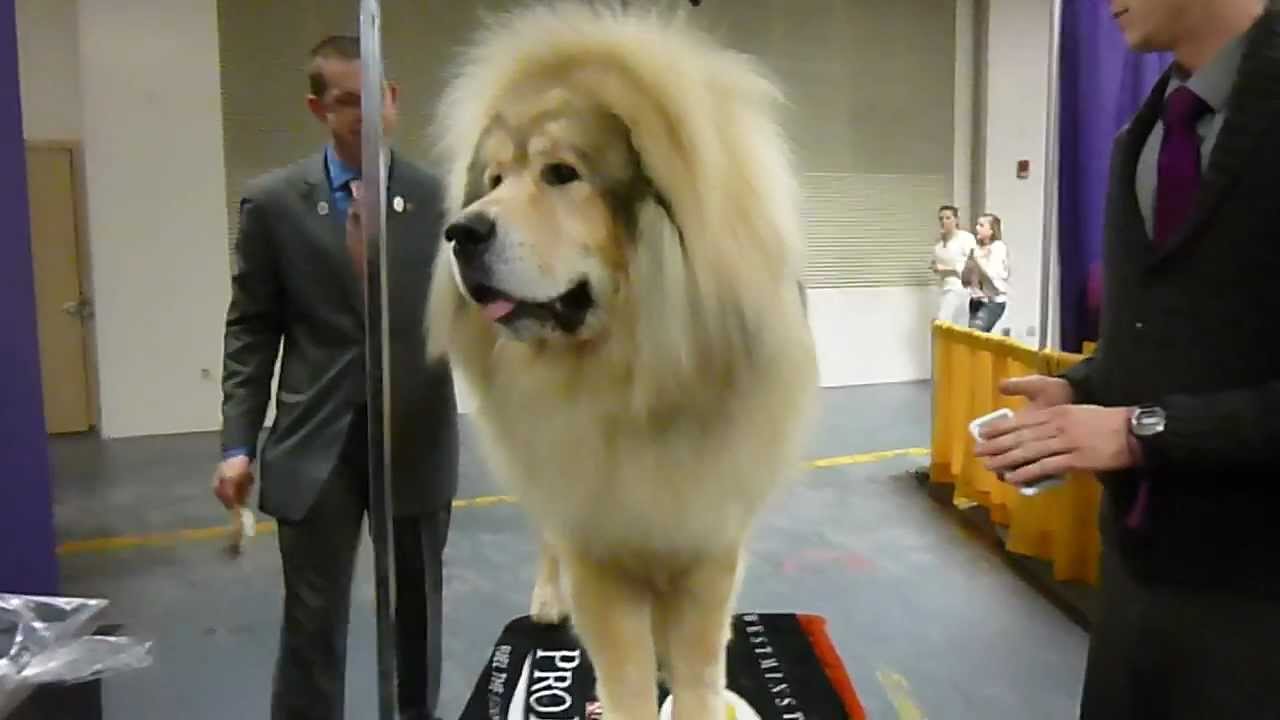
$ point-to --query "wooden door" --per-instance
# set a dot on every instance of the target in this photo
(62, 309)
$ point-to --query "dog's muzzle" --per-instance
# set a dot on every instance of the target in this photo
(472, 236)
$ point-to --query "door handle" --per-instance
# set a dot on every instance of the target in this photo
(81, 308)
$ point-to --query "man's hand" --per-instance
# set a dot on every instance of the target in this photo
(1052, 436)
(1043, 442)
(233, 480)
(1041, 391)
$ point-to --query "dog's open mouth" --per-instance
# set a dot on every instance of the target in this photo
(567, 312)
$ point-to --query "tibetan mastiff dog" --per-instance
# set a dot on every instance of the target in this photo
(619, 288)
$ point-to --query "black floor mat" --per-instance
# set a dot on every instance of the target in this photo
(781, 666)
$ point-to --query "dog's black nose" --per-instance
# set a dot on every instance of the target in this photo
(472, 232)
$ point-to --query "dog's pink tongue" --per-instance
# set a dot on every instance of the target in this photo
(498, 309)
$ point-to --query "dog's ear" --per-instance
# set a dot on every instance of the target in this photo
(444, 304)
(464, 338)
(665, 315)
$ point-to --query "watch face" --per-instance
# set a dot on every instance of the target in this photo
(1148, 421)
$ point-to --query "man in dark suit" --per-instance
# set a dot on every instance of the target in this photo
(296, 279)
(1178, 411)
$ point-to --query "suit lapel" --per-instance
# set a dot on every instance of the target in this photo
(394, 224)
(404, 213)
(1129, 149)
(403, 218)
(1252, 111)
(327, 225)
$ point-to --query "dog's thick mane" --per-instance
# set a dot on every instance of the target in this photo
(645, 448)
(714, 268)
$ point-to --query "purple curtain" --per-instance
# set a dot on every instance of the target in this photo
(27, 560)
(1103, 84)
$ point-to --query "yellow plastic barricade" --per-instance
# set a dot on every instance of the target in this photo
(1059, 524)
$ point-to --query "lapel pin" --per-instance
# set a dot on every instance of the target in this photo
(398, 204)
(322, 207)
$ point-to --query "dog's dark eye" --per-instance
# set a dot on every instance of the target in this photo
(494, 181)
(559, 174)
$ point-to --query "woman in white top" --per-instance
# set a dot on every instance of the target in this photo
(949, 256)
(991, 291)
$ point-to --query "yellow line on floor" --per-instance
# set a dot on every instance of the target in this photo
(483, 501)
(126, 542)
(899, 692)
(870, 457)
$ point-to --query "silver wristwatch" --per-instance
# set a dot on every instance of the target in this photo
(1146, 421)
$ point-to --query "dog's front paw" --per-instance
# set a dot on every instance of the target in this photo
(548, 606)
(698, 705)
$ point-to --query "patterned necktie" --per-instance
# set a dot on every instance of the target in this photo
(355, 232)
(1177, 182)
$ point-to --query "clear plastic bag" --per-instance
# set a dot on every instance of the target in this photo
(44, 640)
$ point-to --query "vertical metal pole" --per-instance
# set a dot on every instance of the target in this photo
(1049, 241)
(373, 213)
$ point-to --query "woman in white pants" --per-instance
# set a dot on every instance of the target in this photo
(991, 292)
(949, 257)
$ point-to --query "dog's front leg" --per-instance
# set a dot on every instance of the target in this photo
(548, 604)
(612, 618)
(696, 617)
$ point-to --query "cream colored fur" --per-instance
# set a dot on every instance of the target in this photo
(644, 457)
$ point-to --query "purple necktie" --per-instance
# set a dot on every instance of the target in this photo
(1177, 181)
(1178, 177)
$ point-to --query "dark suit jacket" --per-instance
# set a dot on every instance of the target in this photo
(1187, 328)
(293, 280)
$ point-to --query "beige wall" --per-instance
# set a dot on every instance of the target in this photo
(144, 105)
(1017, 56)
(264, 86)
(886, 130)
(157, 125)
(49, 66)
(152, 128)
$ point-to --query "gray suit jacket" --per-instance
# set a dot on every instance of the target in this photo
(293, 280)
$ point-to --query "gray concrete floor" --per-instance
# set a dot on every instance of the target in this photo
(911, 595)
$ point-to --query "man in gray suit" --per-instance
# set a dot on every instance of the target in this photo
(295, 279)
